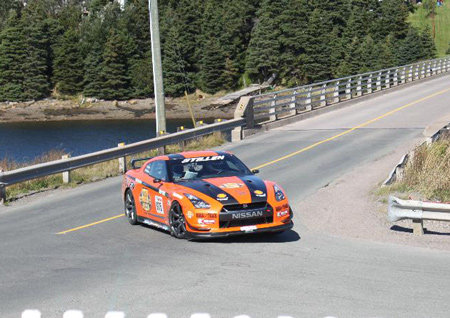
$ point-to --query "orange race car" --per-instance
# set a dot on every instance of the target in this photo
(203, 194)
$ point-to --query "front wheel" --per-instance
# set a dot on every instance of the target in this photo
(130, 208)
(177, 221)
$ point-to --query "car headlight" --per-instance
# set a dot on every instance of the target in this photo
(197, 202)
(279, 195)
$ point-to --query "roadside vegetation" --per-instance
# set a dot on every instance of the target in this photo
(90, 173)
(427, 174)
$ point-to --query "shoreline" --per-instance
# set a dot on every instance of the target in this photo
(53, 110)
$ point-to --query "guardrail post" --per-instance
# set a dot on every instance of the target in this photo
(440, 67)
(359, 87)
(410, 76)
(379, 87)
(403, 76)
(348, 89)
(423, 70)
(182, 144)
(293, 105)
(323, 95)
(273, 108)
(308, 100)
(66, 174)
(446, 64)
(336, 92)
(428, 70)
(418, 227)
(416, 72)
(433, 70)
(218, 134)
(122, 160)
(369, 84)
(387, 82)
(2, 192)
(395, 79)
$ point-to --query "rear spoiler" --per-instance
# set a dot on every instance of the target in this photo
(133, 161)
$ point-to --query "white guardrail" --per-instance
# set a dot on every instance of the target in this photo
(119, 314)
(250, 112)
(417, 211)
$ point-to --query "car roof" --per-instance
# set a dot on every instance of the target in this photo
(191, 154)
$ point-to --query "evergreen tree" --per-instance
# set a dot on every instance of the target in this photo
(12, 54)
(68, 64)
(212, 67)
(369, 55)
(410, 49)
(263, 56)
(114, 67)
(392, 19)
(387, 56)
(141, 73)
(92, 68)
(427, 43)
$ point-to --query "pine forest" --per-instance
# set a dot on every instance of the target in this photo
(101, 49)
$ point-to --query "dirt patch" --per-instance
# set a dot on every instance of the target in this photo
(349, 207)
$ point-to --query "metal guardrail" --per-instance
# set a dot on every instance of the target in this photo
(32, 172)
(249, 112)
(417, 211)
(284, 103)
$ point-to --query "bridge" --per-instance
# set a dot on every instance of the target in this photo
(101, 264)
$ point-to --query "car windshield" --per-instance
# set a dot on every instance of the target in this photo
(206, 167)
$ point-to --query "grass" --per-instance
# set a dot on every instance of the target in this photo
(90, 173)
(427, 174)
(420, 20)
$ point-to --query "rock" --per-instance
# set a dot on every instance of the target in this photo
(115, 103)
(91, 100)
(133, 102)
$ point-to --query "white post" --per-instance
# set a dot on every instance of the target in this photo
(273, 109)
(433, 71)
(293, 104)
(418, 227)
(403, 76)
(395, 83)
(410, 74)
(2, 194)
(359, 87)
(323, 95)
(369, 84)
(308, 100)
(422, 71)
(428, 70)
(336, 92)
(66, 174)
(379, 87)
(387, 82)
(348, 89)
(416, 72)
(122, 160)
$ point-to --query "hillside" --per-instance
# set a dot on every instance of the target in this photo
(420, 20)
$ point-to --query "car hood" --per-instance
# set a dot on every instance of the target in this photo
(229, 190)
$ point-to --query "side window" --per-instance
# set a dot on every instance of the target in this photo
(158, 170)
(148, 168)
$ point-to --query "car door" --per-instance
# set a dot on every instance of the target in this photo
(158, 175)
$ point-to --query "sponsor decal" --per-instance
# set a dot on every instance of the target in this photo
(190, 214)
(162, 192)
(138, 181)
(222, 197)
(282, 213)
(231, 185)
(246, 215)
(201, 159)
(206, 215)
(132, 185)
(145, 200)
(176, 195)
(206, 222)
(250, 228)
(259, 193)
(159, 205)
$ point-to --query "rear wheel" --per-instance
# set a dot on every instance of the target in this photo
(177, 221)
(130, 208)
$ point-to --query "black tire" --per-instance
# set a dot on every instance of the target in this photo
(177, 221)
(130, 208)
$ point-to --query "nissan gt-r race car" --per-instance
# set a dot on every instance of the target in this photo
(203, 194)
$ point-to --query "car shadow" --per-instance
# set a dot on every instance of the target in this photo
(398, 228)
(285, 237)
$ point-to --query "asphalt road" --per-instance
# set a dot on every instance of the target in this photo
(138, 270)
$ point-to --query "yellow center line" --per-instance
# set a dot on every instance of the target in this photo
(350, 130)
(91, 224)
(293, 153)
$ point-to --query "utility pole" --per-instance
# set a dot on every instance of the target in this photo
(157, 68)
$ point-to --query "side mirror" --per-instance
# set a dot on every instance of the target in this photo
(255, 171)
(157, 180)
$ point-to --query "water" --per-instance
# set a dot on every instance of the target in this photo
(26, 141)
